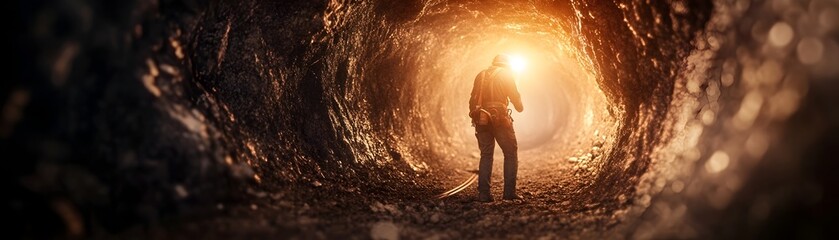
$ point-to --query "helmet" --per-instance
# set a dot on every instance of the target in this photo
(501, 60)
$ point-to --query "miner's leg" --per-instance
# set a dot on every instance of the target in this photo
(506, 137)
(486, 143)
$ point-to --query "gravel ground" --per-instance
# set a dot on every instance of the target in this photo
(554, 207)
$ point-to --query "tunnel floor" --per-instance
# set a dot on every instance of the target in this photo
(550, 208)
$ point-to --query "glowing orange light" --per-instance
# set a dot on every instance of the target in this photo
(517, 63)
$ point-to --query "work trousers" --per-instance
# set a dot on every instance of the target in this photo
(499, 130)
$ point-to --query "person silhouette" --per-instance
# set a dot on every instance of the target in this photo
(493, 90)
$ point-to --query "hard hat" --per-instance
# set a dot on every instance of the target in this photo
(501, 60)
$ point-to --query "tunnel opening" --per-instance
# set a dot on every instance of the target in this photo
(328, 117)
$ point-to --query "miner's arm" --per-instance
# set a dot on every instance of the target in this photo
(473, 100)
(513, 91)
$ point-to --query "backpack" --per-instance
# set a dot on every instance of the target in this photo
(480, 116)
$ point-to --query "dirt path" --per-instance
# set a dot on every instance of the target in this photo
(550, 209)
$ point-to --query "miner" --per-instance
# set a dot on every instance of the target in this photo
(493, 90)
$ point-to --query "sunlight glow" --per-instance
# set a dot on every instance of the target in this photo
(517, 64)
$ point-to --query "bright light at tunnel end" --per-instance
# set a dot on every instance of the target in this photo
(517, 63)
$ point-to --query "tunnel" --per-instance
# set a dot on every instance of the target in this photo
(348, 119)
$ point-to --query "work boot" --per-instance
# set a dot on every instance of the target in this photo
(484, 197)
(513, 197)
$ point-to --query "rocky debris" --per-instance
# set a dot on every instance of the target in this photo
(552, 208)
(305, 220)
(384, 231)
(385, 208)
(435, 218)
(181, 191)
(256, 193)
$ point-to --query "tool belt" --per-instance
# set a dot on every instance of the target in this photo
(480, 116)
(495, 114)
(495, 105)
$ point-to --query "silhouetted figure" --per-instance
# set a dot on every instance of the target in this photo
(493, 90)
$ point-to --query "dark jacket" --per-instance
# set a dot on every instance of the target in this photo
(499, 85)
